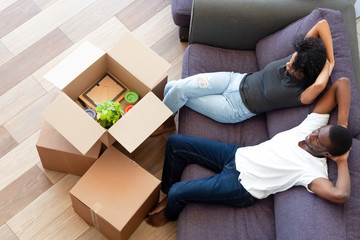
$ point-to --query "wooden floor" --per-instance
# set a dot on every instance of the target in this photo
(35, 35)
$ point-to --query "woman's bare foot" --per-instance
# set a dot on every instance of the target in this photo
(156, 217)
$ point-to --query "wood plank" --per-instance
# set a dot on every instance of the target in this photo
(93, 234)
(30, 120)
(6, 233)
(19, 97)
(43, 210)
(91, 18)
(42, 24)
(18, 161)
(17, 14)
(5, 54)
(156, 27)
(169, 47)
(21, 192)
(70, 221)
(43, 4)
(53, 176)
(6, 3)
(24, 64)
(174, 72)
(145, 231)
(7, 142)
(140, 11)
(103, 37)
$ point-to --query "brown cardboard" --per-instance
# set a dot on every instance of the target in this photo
(56, 153)
(73, 123)
(115, 194)
(131, 135)
(130, 61)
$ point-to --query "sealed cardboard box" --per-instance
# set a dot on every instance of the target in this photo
(56, 153)
(132, 63)
(115, 195)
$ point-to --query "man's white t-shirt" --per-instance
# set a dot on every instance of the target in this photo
(279, 163)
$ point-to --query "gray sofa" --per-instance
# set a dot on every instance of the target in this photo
(244, 36)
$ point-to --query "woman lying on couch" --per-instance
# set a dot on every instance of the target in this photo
(229, 97)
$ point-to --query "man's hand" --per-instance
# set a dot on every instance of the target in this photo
(342, 158)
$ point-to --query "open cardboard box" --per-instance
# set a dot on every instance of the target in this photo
(135, 65)
(115, 194)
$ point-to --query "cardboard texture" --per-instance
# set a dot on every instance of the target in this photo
(115, 195)
(132, 63)
(56, 153)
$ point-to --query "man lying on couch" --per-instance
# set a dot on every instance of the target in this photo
(296, 157)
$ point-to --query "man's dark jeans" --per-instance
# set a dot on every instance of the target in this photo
(222, 188)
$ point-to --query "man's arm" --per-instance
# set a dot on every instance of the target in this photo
(340, 192)
(338, 94)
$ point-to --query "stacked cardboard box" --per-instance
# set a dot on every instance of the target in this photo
(56, 153)
(115, 194)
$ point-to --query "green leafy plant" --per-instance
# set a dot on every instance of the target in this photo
(108, 113)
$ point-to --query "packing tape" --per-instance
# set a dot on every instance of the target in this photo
(94, 210)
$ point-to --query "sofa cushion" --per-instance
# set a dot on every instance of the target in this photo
(224, 222)
(297, 209)
(201, 58)
(247, 133)
(280, 44)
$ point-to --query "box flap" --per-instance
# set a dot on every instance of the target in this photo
(73, 123)
(140, 122)
(139, 60)
(74, 64)
(120, 185)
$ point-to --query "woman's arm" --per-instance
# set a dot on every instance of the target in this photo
(309, 95)
(322, 30)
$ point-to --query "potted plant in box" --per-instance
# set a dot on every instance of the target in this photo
(108, 113)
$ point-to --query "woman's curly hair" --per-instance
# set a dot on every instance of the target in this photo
(310, 59)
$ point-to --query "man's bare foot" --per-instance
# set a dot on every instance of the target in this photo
(160, 206)
(156, 217)
(167, 126)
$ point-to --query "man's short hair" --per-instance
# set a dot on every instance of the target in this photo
(341, 140)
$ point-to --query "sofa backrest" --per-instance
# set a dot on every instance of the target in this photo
(248, 21)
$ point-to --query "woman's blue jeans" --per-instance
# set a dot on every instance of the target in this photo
(222, 188)
(215, 95)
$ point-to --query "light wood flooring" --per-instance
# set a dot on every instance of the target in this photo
(35, 35)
